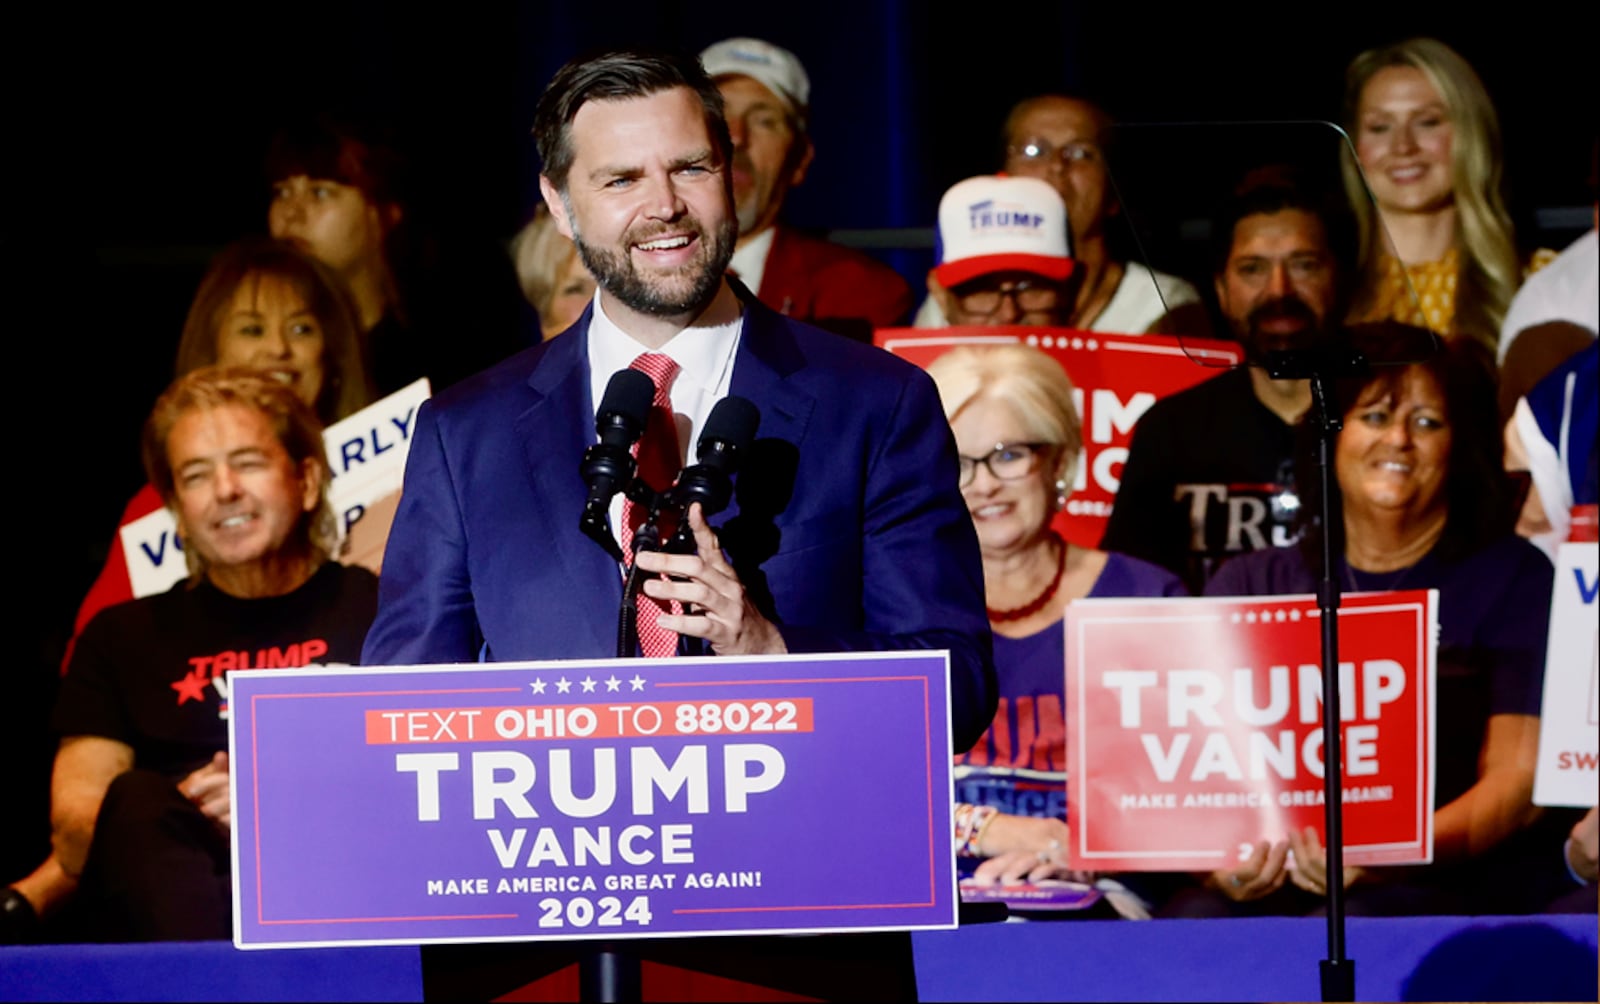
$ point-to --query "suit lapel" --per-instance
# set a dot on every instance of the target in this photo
(555, 430)
(767, 357)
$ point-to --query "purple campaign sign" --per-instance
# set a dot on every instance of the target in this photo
(607, 798)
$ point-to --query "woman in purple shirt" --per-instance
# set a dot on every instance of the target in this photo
(1422, 503)
(1019, 438)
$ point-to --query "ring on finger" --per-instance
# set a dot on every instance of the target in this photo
(1048, 854)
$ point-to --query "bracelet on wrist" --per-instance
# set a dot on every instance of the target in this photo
(970, 822)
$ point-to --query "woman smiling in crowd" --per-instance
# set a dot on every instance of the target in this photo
(1019, 438)
(1421, 503)
(1427, 141)
(267, 305)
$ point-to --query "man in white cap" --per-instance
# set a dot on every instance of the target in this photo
(767, 94)
(1063, 140)
(1002, 253)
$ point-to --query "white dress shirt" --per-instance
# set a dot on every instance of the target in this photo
(704, 354)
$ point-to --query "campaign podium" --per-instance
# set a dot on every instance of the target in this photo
(764, 828)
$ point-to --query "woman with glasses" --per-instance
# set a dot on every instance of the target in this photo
(1019, 439)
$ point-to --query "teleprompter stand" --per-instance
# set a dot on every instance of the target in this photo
(1320, 366)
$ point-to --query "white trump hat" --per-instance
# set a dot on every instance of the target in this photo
(997, 223)
(773, 67)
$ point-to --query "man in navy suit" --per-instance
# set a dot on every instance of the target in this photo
(846, 531)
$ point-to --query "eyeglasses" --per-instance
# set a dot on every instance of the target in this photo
(1007, 461)
(1038, 151)
(1027, 297)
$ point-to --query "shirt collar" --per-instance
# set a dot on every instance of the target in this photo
(750, 258)
(703, 352)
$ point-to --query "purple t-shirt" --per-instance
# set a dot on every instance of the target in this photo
(1019, 766)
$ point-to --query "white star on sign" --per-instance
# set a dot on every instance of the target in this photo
(538, 686)
(637, 682)
(588, 685)
(613, 684)
(562, 686)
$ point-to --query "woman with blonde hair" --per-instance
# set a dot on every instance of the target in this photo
(552, 274)
(1019, 437)
(1427, 148)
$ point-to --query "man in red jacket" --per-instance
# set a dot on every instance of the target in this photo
(766, 94)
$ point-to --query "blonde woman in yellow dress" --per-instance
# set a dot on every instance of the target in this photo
(1427, 141)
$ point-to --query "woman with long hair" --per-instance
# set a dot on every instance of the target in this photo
(1426, 187)
(267, 305)
(429, 303)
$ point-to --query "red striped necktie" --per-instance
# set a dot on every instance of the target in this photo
(659, 462)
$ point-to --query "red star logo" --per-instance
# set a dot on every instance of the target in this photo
(191, 687)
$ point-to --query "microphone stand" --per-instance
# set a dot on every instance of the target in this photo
(608, 973)
(646, 538)
(1320, 366)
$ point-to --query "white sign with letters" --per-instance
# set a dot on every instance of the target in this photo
(1569, 723)
(366, 451)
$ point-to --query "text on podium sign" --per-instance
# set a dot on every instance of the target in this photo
(592, 799)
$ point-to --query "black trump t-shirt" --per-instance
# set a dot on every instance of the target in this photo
(151, 672)
(1210, 474)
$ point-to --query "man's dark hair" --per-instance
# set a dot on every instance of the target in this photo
(1275, 189)
(618, 75)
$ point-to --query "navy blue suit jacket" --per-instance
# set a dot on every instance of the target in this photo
(846, 527)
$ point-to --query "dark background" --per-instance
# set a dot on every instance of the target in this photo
(135, 133)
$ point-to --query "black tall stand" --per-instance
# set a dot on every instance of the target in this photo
(610, 973)
(1320, 367)
(1338, 973)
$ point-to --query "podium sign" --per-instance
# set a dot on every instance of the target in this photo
(609, 799)
(1194, 728)
(1569, 722)
(1116, 378)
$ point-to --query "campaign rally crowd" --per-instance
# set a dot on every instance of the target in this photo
(923, 503)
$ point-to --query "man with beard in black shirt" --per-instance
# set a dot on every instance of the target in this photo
(1210, 469)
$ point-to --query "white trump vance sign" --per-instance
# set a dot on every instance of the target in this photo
(1569, 722)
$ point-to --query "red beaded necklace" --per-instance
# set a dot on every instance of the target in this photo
(1036, 604)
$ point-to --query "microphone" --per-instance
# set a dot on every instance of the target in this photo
(608, 466)
(729, 431)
